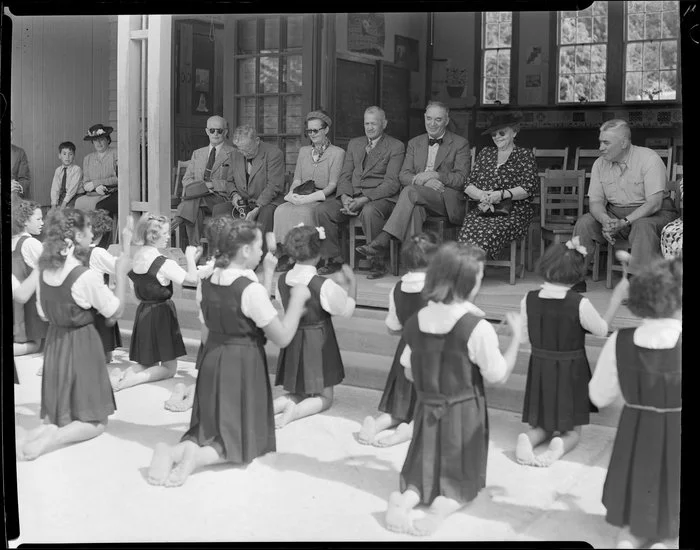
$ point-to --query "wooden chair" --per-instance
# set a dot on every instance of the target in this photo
(176, 194)
(561, 204)
(512, 261)
(666, 155)
(554, 159)
(583, 160)
(440, 225)
(677, 172)
(353, 226)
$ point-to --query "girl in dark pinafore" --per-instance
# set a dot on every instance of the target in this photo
(156, 340)
(556, 401)
(450, 349)
(21, 293)
(232, 419)
(643, 364)
(27, 221)
(399, 398)
(76, 397)
(311, 365)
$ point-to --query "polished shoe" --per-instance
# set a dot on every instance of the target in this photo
(579, 287)
(330, 268)
(367, 250)
(377, 271)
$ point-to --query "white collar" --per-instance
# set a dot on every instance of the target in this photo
(301, 268)
(462, 307)
(413, 277)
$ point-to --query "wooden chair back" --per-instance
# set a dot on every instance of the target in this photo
(180, 169)
(554, 159)
(583, 160)
(561, 197)
(666, 155)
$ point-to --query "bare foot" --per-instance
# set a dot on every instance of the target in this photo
(185, 401)
(663, 544)
(439, 511)
(625, 539)
(108, 357)
(286, 416)
(402, 434)
(38, 445)
(128, 379)
(552, 454)
(176, 397)
(184, 467)
(523, 450)
(397, 515)
(161, 464)
(368, 431)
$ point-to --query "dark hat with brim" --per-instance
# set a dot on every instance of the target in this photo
(98, 131)
(502, 120)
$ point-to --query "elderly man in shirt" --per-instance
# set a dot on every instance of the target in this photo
(432, 176)
(628, 197)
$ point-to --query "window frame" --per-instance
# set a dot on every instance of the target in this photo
(481, 49)
(623, 68)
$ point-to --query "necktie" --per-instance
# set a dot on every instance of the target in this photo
(210, 163)
(62, 192)
(432, 141)
(369, 147)
(248, 168)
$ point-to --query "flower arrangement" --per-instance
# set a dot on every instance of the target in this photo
(455, 76)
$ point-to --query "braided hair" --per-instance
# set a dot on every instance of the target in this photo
(233, 234)
(61, 228)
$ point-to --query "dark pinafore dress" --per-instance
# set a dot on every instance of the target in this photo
(75, 383)
(399, 397)
(312, 359)
(35, 327)
(448, 452)
(556, 391)
(642, 487)
(156, 334)
(232, 409)
(110, 336)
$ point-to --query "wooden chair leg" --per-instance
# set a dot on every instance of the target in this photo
(513, 260)
(394, 252)
(522, 258)
(608, 274)
(596, 262)
(351, 251)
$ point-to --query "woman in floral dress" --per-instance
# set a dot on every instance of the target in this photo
(505, 171)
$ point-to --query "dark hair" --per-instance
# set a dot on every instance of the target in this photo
(213, 229)
(452, 273)
(66, 145)
(149, 228)
(303, 243)
(21, 211)
(100, 221)
(563, 265)
(232, 236)
(416, 253)
(61, 225)
(657, 290)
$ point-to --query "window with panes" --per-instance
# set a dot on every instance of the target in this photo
(583, 51)
(652, 43)
(496, 45)
(268, 80)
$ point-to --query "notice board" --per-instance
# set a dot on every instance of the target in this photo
(396, 101)
(355, 90)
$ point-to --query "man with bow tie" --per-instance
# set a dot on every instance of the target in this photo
(367, 187)
(628, 198)
(208, 180)
(433, 176)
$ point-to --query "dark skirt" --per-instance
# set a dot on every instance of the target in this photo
(28, 326)
(556, 394)
(75, 383)
(110, 336)
(312, 361)
(156, 334)
(399, 397)
(643, 484)
(232, 409)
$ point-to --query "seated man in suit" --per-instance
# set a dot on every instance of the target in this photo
(19, 170)
(208, 180)
(433, 176)
(367, 187)
(258, 179)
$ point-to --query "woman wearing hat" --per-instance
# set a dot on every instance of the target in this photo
(316, 176)
(505, 171)
(99, 172)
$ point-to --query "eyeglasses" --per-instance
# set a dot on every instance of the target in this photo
(313, 131)
(213, 131)
(498, 133)
(156, 217)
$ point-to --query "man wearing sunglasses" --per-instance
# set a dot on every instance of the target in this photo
(208, 180)
(432, 179)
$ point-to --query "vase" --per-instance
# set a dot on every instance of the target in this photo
(455, 91)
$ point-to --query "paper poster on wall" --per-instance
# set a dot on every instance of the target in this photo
(533, 88)
(406, 52)
(201, 82)
(366, 33)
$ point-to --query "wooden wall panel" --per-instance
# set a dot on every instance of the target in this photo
(60, 86)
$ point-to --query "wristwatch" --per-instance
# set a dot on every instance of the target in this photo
(626, 221)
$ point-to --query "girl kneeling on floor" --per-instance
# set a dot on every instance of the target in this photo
(156, 340)
(450, 350)
(311, 365)
(76, 397)
(643, 365)
(232, 418)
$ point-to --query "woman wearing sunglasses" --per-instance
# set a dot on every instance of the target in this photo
(505, 171)
(315, 178)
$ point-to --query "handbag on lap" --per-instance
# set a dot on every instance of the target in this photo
(306, 188)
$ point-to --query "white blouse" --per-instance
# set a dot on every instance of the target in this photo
(31, 248)
(334, 298)
(102, 261)
(411, 283)
(169, 271)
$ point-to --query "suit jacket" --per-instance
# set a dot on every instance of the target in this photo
(379, 178)
(221, 172)
(19, 168)
(451, 162)
(266, 180)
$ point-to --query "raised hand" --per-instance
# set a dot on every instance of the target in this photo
(271, 242)
(515, 322)
(191, 252)
(348, 273)
(270, 262)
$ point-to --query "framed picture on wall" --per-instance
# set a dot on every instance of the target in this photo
(406, 52)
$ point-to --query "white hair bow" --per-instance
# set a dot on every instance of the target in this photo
(321, 230)
(575, 244)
